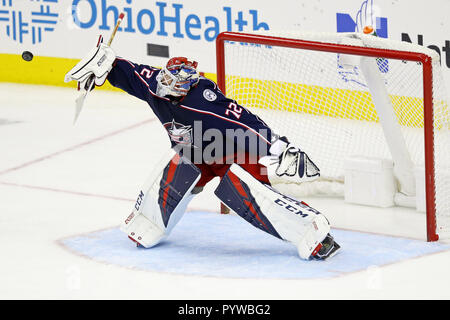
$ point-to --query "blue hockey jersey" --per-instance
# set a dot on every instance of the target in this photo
(204, 125)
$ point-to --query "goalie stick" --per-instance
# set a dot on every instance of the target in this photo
(79, 102)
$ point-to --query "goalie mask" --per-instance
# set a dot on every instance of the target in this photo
(177, 77)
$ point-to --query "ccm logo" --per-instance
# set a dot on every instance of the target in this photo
(139, 200)
(290, 208)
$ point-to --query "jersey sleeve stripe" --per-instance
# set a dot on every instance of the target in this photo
(148, 87)
(122, 59)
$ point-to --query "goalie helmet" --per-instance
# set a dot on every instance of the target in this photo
(177, 77)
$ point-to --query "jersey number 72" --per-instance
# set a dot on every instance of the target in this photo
(234, 109)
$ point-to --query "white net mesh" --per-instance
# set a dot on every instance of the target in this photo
(321, 102)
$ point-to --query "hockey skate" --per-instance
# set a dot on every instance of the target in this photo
(326, 249)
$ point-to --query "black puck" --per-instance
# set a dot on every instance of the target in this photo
(27, 56)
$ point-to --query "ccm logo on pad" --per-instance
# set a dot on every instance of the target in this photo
(290, 208)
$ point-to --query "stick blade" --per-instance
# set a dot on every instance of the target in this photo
(79, 102)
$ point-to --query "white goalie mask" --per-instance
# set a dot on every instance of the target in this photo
(177, 77)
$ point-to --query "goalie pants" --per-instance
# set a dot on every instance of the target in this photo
(210, 171)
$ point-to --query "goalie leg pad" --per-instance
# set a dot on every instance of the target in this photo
(141, 230)
(281, 216)
(162, 201)
(178, 179)
(236, 195)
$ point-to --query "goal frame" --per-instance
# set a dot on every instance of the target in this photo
(424, 59)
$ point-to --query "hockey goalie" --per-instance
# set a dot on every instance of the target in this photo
(195, 112)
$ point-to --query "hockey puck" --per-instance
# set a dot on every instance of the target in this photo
(27, 56)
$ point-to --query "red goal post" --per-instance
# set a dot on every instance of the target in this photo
(419, 57)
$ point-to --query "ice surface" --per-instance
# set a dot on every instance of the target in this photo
(225, 246)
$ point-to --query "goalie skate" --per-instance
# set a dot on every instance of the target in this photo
(326, 249)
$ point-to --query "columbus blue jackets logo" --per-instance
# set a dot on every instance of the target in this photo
(179, 133)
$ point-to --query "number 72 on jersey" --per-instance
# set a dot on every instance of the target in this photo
(234, 109)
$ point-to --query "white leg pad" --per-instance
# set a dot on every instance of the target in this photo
(142, 230)
(267, 209)
(314, 233)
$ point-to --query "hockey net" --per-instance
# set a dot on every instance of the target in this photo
(318, 90)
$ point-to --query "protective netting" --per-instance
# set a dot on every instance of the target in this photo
(322, 103)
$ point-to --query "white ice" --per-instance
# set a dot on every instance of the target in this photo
(59, 180)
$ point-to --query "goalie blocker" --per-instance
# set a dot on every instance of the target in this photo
(289, 163)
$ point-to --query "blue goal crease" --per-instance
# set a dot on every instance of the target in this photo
(226, 246)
